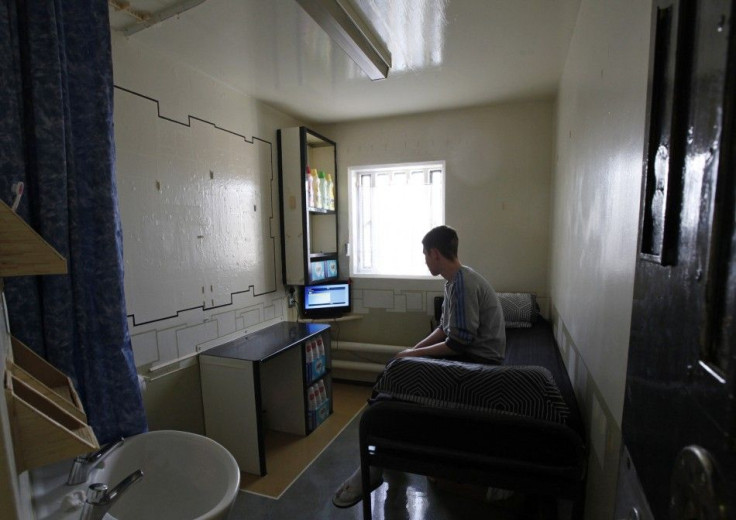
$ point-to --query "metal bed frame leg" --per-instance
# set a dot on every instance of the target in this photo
(365, 478)
(365, 470)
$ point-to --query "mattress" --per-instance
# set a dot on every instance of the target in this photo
(536, 346)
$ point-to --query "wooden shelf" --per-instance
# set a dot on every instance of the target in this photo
(322, 256)
(22, 251)
(33, 370)
(43, 433)
(47, 419)
(320, 211)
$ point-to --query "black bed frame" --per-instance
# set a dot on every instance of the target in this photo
(531, 456)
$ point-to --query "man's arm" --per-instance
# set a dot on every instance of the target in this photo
(432, 345)
(438, 349)
(436, 336)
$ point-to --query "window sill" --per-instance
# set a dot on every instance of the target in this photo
(394, 277)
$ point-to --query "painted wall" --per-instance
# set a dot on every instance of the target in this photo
(596, 192)
(197, 174)
(498, 165)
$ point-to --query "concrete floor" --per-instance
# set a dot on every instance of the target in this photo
(401, 497)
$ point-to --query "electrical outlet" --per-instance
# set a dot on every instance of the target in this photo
(291, 298)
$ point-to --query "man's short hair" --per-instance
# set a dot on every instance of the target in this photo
(443, 239)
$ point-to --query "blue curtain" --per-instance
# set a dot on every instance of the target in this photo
(56, 135)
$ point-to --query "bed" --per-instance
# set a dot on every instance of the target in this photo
(516, 426)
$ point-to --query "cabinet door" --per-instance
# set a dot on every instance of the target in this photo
(308, 207)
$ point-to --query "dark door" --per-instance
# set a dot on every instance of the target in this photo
(679, 422)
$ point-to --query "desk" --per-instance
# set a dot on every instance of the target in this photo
(260, 382)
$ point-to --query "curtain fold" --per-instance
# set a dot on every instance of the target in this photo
(56, 135)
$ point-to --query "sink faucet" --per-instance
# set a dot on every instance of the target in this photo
(100, 500)
(84, 463)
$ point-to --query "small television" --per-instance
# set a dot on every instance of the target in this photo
(326, 300)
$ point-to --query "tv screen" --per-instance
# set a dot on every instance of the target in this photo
(326, 300)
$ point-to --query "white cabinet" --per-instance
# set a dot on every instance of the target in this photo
(308, 206)
(262, 382)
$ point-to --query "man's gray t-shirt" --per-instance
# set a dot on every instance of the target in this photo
(472, 318)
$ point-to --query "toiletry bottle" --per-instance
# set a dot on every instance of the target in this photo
(330, 192)
(320, 346)
(308, 186)
(319, 398)
(322, 390)
(315, 179)
(312, 408)
(312, 186)
(321, 189)
(309, 355)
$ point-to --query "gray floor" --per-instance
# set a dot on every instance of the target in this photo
(401, 497)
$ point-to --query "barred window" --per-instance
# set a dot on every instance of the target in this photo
(391, 209)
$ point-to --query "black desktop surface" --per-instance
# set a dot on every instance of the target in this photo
(266, 343)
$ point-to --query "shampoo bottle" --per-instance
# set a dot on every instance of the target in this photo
(330, 192)
(321, 199)
(313, 181)
(308, 186)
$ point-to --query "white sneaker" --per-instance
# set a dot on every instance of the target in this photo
(350, 492)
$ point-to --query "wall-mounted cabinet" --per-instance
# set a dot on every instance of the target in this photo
(308, 184)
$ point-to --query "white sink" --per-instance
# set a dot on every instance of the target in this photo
(185, 477)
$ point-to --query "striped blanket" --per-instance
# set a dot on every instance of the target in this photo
(520, 390)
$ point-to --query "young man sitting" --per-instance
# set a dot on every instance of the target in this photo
(471, 328)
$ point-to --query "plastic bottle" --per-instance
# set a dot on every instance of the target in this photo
(318, 367)
(315, 179)
(308, 185)
(312, 398)
(312, 408)
(312, 199)
(330, 192)
(320, 346)
(321, 190)
(322, 391)
(309, 355)
(325, 192)
(318, 397)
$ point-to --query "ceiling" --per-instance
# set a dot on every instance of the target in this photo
(445, 53)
